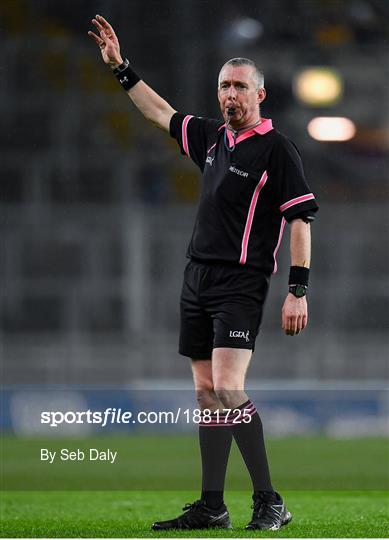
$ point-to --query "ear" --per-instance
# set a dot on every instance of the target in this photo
(261, 95)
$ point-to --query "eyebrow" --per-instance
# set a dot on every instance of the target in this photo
(227, 81)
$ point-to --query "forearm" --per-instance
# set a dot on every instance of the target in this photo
(295, 308)
(150, 104)
(300, 243)
(153, 107)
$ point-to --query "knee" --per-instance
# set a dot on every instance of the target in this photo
(227, 396)
(205, 395)
(230, 391)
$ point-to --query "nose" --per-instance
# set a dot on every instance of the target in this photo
(232, 93)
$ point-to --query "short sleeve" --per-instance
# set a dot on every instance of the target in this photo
(194, 135)
(292, 192)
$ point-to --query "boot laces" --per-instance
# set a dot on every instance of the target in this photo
(193, 506)
(263, 509)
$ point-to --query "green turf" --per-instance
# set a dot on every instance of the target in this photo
(129, 514)
(334, 488)
(153, 463)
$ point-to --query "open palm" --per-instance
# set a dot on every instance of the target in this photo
(107, 41)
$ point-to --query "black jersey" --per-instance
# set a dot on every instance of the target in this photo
(247, 194)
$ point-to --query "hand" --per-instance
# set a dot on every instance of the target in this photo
(107, 41)
(294, 315)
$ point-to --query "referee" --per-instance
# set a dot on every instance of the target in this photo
(253, 183)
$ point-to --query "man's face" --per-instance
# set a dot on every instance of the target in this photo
(237, 89)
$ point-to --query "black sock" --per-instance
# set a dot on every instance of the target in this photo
(215, 444)
(250, 441)
(269, 496)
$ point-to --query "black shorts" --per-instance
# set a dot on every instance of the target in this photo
(221, 306)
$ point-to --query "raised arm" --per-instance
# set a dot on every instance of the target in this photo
(151, 105)
(295, 310)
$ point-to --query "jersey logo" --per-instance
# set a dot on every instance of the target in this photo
(238, 171)
(209, 160)
(240, 334)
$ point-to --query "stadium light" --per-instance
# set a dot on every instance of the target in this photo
(245, 29)
(336, 128)
(318, 87)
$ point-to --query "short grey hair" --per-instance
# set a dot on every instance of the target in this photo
(257, 73)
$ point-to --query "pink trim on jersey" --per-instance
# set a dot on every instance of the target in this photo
(209, 149)
(250, 217)
(230, 138)
(245, 136)
(264, 127)
(185, 143)
(297, 200)
(282, 227)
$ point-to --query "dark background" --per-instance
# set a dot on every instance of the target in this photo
(97, 206)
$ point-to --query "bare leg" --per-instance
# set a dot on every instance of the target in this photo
(229, 367)
(215, 441)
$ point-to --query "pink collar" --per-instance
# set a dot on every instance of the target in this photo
(264, 127)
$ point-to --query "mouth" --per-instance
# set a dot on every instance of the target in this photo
(230, 111)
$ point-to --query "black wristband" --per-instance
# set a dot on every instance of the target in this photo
(299, 275)
(126, 75)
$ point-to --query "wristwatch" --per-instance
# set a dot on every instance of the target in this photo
(298, 290)
(117, 70)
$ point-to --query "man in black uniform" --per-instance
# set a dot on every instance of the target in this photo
(253, 183)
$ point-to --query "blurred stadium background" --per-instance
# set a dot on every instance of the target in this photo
(97, 207)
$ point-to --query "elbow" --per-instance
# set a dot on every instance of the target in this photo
(161, 118)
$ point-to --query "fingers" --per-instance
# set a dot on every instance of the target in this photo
(291, 330)
(105, 24)
(104, 28)
(300, 324)
(287, 324)
(284, 320)
(293, 325)
(98, 25)
(100, 42)
(304, 322)
(101, 30)
(294, 315)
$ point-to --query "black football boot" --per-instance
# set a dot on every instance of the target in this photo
(269, 512)
(197, 516)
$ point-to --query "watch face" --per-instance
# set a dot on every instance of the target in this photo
(300, 291)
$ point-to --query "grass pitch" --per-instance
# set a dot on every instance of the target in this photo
(333, 488)
(130, 514)
(173, 462)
